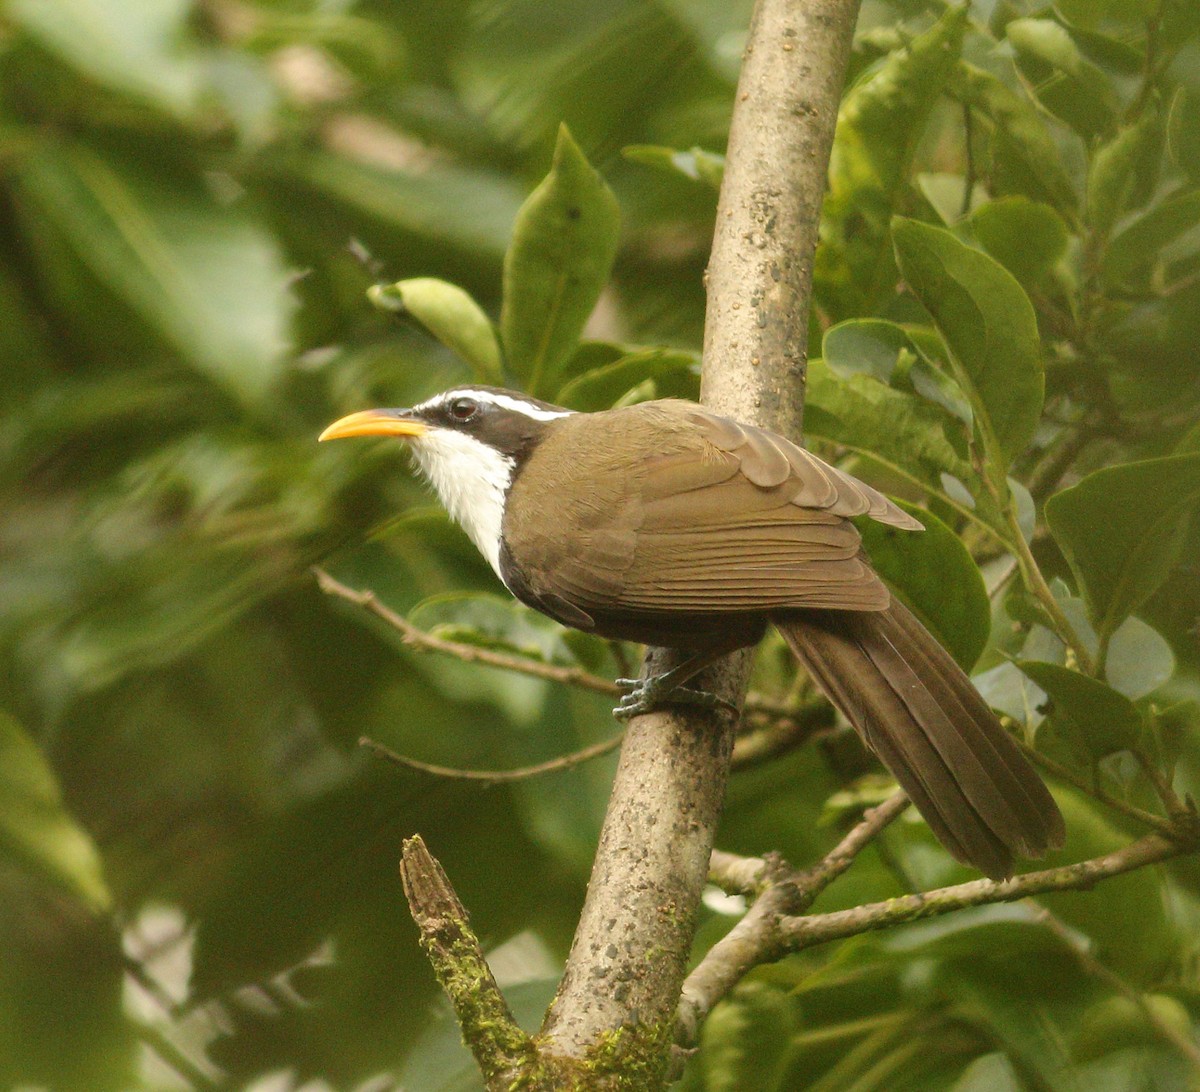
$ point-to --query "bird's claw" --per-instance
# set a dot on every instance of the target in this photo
(647, 695)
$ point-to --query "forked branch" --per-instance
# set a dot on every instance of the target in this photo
(775, 925)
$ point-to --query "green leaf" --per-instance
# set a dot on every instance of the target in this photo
(1183, 131)
(1139, 659)
(526, 67)
(1137, 246)
(907, 358)
(451, 315)
(669, 373)
(1137, 945)
(946, 194)
(1065, 82)
(1027, 160)
(1117, 1022)
(744, 1041)
(210, 278)
(368, 49)
(1005, 689)
(563, 246)
(1190, 441)
(1093, 13)
(1019, 1019)
(934, 385)
(1094, 714)
(1122, 530)
(1026, 237)
(291, 869)
(1113, 173)
(24, 344)
(1026, 510)
(879, 125)
(989, 327)
(899, 430)
(936, 576)
(469, 210)
(865, 346)
(138, 47)
(36, 829)
(1117, 56)
(989, 1073)
(489, 621)
(1176, 726)
(695, 163)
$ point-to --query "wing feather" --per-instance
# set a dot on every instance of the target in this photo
(716, 517)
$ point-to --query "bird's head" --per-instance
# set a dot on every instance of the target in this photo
(470, 442)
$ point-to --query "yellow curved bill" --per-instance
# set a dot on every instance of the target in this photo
(375, 422)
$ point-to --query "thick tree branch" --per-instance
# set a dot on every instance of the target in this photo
(738, 875)
(782, 891)
(500, 1047)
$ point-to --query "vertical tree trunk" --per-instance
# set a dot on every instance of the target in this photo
(760, 271)
(612, 1020)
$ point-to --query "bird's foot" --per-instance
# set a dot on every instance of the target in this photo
(647, 695)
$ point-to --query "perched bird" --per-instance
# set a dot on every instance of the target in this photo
(666, 524)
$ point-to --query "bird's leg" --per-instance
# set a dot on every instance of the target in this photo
(666, 688)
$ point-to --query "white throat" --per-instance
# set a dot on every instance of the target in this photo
(471, 480)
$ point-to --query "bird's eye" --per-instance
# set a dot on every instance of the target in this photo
(463, 409)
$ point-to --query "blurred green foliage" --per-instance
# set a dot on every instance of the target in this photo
(198, 879)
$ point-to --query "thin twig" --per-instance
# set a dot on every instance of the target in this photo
(773, 926)
(427, 642)
(422, 641)
(770, 930)
(1035, 582)
(814, 880)
(195, 1073)
(749, 750)
(136, 969)
(798, 933)
(782, 891)
(1162, 786)
(495, 777)
(1064, 773)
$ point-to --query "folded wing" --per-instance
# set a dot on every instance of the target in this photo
(729, 518)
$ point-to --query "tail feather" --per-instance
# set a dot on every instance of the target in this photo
(928, 724)
(1014, 776)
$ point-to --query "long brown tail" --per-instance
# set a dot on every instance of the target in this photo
(921, 715)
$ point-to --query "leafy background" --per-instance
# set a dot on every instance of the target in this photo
(197, 864)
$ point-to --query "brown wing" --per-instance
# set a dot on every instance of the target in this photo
(719, 517)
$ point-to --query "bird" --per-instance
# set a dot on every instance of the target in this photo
(664, 523)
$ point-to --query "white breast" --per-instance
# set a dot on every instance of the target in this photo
(471, 480)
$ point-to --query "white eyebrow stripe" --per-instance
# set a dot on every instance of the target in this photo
(504, 401)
